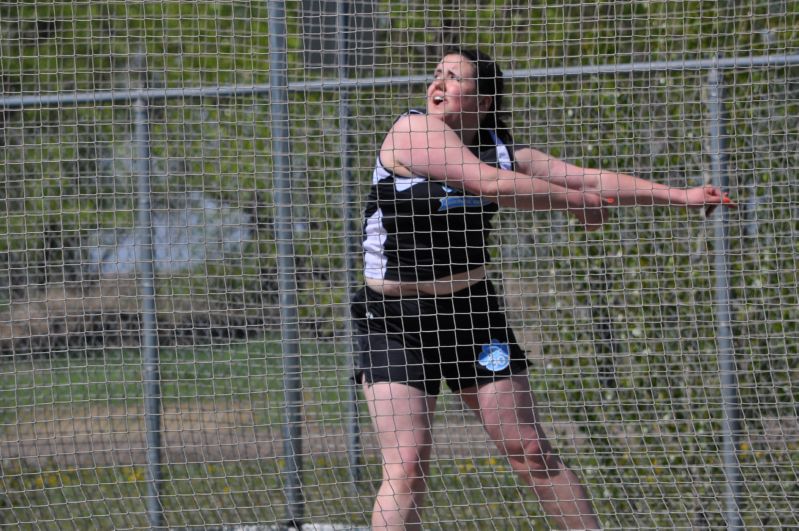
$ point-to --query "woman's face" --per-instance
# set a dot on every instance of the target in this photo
(452, 96)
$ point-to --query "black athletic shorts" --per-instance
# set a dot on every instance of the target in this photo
(417, 340)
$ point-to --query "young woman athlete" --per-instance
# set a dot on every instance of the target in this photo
(427, 311)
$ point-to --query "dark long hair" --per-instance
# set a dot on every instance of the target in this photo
(490, 82)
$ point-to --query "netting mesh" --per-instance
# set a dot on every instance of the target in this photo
(621, 325)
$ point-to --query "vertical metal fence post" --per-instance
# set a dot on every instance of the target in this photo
(287, 281)
(145, 270)
(729, 379)
(351, 213)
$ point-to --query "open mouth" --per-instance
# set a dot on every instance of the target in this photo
(438, 99)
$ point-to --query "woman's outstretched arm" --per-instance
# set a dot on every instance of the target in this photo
(619, 188)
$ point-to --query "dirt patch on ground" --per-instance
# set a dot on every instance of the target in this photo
(106, 435)
(80, 436)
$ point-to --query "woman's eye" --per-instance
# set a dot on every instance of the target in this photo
(448, 76)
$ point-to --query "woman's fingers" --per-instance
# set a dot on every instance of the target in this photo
(718, 198)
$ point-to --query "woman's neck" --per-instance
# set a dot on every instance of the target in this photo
(469, 137)
(467, 128)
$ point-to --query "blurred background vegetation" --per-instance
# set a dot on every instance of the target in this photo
(621, 322)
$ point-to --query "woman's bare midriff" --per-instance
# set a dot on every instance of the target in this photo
(439, 286)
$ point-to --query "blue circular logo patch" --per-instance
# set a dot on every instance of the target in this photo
(495, 356)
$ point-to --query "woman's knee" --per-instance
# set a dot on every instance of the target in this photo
(410, 473)
(533, 455)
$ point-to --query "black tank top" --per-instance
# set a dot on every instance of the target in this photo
(419, 229)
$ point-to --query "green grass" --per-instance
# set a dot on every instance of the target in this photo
(657, 480)
(243, 373)
(41, 492)
(465, 493)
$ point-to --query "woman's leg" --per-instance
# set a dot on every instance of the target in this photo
(506, 409)
(402, 416)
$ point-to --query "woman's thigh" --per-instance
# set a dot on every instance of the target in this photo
(506, 409)
(402, 416)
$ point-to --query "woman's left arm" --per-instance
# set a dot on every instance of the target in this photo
(615, 187)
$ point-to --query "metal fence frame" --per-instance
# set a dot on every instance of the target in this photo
(278, 90)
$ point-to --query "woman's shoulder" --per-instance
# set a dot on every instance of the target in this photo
(410, 112)
(418, 122)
